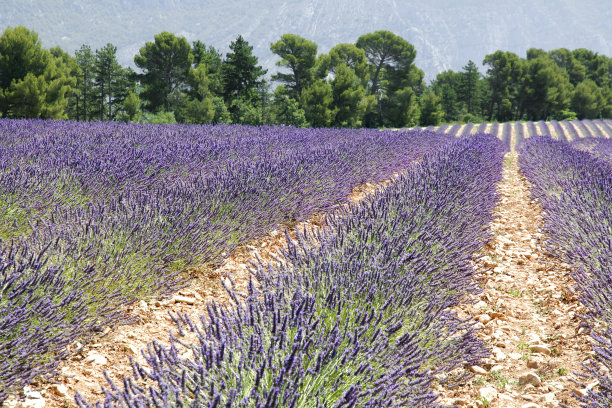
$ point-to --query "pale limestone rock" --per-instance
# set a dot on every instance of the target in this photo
(184, 299)
(484, 318)
(478, 370)
(94, 358)
(540, 348)
(530, 378)
(489, 393)
(548, 398)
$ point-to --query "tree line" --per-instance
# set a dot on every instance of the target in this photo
(371, 83)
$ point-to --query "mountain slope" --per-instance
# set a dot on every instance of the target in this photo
(446, 33)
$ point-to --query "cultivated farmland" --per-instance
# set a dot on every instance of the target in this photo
(371, 304)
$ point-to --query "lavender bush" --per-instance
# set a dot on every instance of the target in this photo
(519, 129)
(467, 129)
(506, 135)
(442, 128)
(118, 212)
(594, 129)
(574, 189)
(600, 148)
(579, 124)
(605, 126)
(530, 129)
(570, 133)
(559, 131)
(358, 315)
(542, 129)
(454, 129)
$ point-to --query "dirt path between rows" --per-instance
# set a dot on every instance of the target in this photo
(529, 316)
(84, 370)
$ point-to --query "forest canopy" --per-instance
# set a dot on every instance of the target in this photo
(371, 83)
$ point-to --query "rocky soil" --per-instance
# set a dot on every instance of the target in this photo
(528, 314)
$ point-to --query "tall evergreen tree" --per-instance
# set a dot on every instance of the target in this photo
(34, 82)
(469, 89)
(587, 100)
(566, 60)
(166, 64)
(299, 55)
(107, 73)
(504, 73)
(431, 109)
(447, 87)
(317, 102)
(212, 58)
(241, 72)
(545, 89)
(347, 94)
(391, 61)
(85, 82)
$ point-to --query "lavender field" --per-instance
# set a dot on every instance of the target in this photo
(361, 313)
(99, 215)
(513, 133)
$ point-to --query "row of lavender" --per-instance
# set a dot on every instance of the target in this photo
(562, 130)
(356, 315)
(574, 188)
(96, 215)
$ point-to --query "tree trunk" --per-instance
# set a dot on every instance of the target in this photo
(85, 95)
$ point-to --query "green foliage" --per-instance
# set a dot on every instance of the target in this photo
(401, 108)
(347, 94)
(241, 74)
(199, 111)
(213, 60)
(85, 85)
(197, 105)
(447, 86)
(545, 89)
(386, 52)
(130, 111)
(158, 118)
(597, 67)
(106, 75)
(391, 66)
(565, 59)
(246, 111)
(371, 83)
(431, 109)
(351, 56)
(34, 82)
(299, 55)
(588, 101)
(222, 114)
(565, 114)
(504, 71)
(166, 64)
(286, 110)
(317, 102)
(470, 90)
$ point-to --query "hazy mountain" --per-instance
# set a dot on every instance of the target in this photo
(446, 33)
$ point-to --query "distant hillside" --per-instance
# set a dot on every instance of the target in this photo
(446, 33)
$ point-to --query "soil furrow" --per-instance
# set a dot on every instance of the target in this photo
(527, 313)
